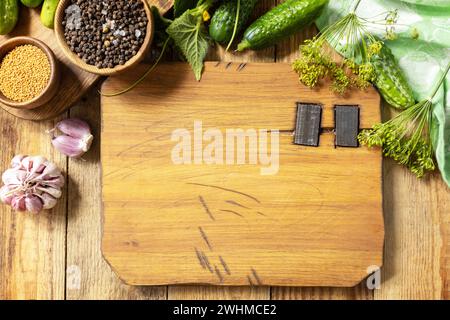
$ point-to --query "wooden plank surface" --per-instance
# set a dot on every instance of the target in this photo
(32, 247)
(88, 274)
(417, 242)
(416, 236)
(428, 200)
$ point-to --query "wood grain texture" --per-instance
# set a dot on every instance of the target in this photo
(418, 238)
(162, 5)
(287, 51)
(74, 82)
(404, 281)
(88, 274)
(32, 247)
(193, 292)
(228, 216)
(416, 249)
(272, 87)
(359, 292)
(217, 53)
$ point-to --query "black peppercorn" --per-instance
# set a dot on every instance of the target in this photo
(105, 33)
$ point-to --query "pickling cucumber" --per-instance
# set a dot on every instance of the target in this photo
(282, 21)
(224, 19)
(9, 14)
(391, 81)
(31, 3)
(48, 13)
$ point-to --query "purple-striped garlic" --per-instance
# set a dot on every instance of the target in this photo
(31, 184)
(72, 137)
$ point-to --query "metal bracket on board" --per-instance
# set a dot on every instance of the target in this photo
(309, 119)
(308, 123)
(346, 121)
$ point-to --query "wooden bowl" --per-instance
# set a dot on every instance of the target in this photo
(52, 87)
(73, 57)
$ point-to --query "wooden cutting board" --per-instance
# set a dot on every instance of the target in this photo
(74, 81)
(317, 222)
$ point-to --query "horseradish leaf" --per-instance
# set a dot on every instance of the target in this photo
(191, 37)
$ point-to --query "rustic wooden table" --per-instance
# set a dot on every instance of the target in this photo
(56, 255)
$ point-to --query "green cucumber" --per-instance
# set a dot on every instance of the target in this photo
(224, 19)
(9, 14)
(391, 81)
(31, 3)
(48, 13)
(281, 22)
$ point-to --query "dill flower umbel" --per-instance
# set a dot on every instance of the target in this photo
(351, 35)
(406, 137)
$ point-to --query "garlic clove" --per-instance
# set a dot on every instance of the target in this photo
(17, 161)
(50, 171)
(54, 192)
(74, 128)
(18, 203)
(72, 137)
(48, 200)
(38, 164)
(13, 177)
(33, 204)
(86, 142)
(55, 182)
(5, 195)
(28, 163)
(10, 176)
(71, 147)
(34, 164)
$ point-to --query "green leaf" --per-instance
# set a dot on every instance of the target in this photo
(181, 6)
(191, 37)
(440, 133)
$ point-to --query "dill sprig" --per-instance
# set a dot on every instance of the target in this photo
(351, 36)
(406, 137)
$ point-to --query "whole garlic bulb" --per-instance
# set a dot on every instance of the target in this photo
(31, 184)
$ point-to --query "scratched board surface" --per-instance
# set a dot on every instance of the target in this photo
(311, 218)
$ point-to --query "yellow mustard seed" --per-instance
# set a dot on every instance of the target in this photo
(24, 73)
